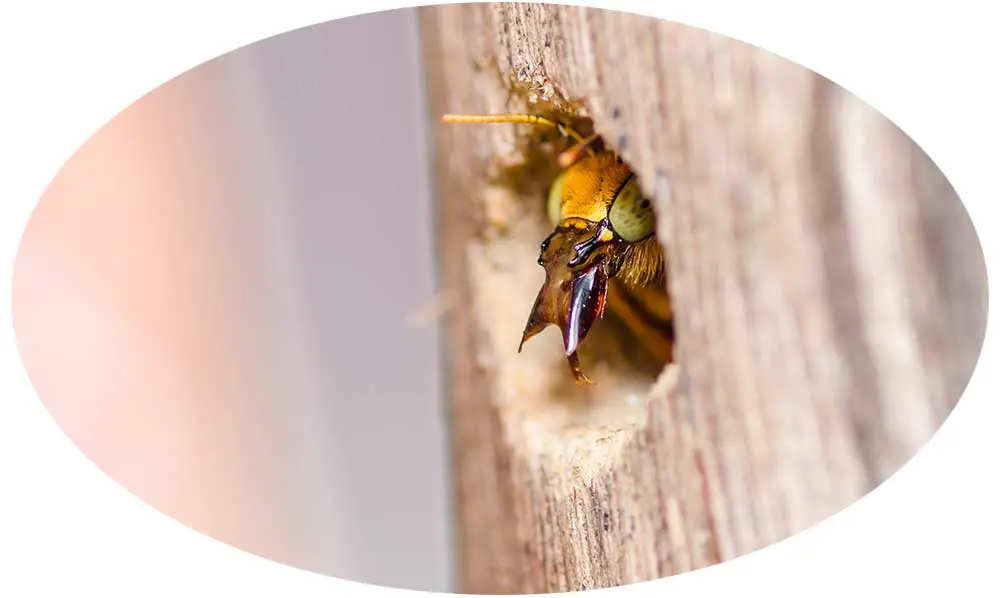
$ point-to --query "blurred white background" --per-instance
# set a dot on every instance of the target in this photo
(212, 301)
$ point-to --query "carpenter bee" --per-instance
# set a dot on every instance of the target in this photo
(602, 250)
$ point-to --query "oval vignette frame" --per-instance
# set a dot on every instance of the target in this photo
(298, 31)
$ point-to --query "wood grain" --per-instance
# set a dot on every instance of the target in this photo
(829, 291)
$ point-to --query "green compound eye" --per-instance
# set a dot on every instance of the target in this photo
(631, 215)
(555, 199)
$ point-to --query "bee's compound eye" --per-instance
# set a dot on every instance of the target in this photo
(555, 199)
(631, 214)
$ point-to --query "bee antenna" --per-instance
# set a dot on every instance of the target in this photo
(519, 118)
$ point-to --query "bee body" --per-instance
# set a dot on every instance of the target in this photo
(602, 249)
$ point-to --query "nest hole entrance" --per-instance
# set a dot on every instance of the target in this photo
(535, 390)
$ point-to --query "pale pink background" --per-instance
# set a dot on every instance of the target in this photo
(212, 297)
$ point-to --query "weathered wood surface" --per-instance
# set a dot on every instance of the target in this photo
(829, 288)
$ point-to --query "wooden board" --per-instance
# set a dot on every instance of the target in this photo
(829, 291)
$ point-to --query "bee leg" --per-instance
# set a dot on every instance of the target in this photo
(573, 153)
(574, 365)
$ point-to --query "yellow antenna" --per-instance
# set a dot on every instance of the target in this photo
(527, 119)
